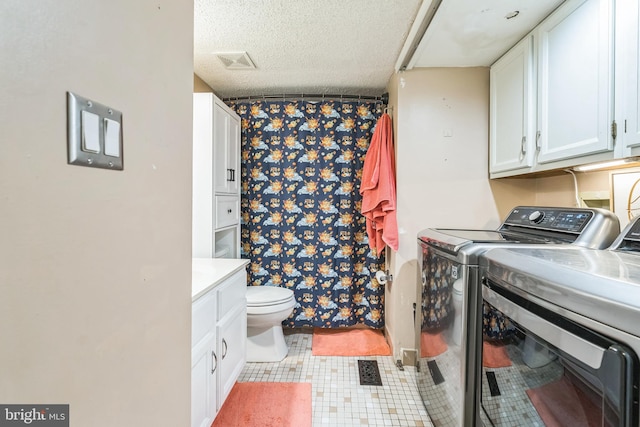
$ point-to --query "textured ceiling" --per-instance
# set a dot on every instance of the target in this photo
(348, 46)
(301, 46)
(475, 33)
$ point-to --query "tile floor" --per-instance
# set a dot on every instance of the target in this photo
(513, 405)
(338, 398)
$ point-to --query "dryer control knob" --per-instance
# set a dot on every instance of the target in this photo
(536, 217)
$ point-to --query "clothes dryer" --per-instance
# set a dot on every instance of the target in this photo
(573, 351)
(449, 313)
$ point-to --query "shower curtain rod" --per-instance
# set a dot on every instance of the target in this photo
(308, 97)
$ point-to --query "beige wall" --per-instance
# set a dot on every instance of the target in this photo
(199, 85)
(555, 190)
(560, 190)
(95, 265)
(441, 181)
(510, 192)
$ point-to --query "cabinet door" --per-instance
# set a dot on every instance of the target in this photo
(226, 146)
(512, 109)
(575, 80)
(232, 347)
(204, 371)
(233, 154)
(628, 53)
(221, 147)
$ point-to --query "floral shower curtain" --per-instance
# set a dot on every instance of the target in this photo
(301, 223)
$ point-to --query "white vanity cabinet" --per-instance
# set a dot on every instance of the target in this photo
(216, 178)
(231, 330)
(218, 334)
(552, 94)
(204, 361)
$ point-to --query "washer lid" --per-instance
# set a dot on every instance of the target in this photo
(267, 295)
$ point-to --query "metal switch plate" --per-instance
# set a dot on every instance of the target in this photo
(94, 134)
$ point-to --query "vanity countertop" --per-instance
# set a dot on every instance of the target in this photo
(207, 273)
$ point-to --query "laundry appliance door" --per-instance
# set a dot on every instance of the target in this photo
(445, 348)
(542, 369)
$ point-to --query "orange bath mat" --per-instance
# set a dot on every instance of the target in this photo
(495, 355)
(432, 345)
(349, 342)
(263, 404)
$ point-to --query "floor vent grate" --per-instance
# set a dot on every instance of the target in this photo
(369, 372)
(493, 383)
(434, 370)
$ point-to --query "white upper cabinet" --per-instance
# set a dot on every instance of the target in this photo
(575, 80)
(552, 94)
(226, 146)
(512, 109)
(216, 178)
(627, 62)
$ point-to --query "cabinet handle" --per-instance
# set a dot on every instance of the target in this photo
(233, 174)
(228, 174)
(228, 211)
(538, 141)
(224, 348)
(523, 148)
(214, 361)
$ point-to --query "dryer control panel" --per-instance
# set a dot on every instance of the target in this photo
(570, 220)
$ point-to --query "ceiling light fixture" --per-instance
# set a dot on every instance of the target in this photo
(513, 14)
(605, 165)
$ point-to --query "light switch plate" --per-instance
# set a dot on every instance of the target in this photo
(107, 154)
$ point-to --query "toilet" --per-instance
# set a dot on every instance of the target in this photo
(267, 307)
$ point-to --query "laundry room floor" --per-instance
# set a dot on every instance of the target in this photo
(338, 399)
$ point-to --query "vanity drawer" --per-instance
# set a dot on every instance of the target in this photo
(203, 316)
(232, 293)
(227, 211)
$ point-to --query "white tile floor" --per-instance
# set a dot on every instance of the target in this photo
(338, 399)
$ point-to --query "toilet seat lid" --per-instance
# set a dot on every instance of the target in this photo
(267, 295)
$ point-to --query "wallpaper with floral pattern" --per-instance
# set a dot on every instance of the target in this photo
(301, 223)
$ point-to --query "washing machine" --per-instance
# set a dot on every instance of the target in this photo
(571, 356)
(449, 312)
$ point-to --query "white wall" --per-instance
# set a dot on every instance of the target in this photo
(441, 181)
(95, 265)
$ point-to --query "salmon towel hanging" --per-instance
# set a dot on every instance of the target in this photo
(378, 188)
